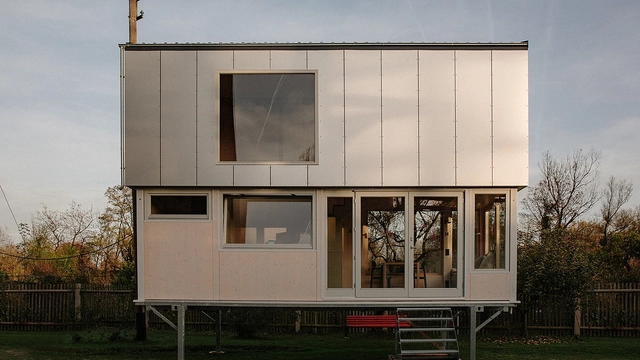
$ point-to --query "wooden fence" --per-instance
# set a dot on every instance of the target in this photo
(64, 306)
(610, 310)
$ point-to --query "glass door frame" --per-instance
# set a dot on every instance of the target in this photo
(408, 290)
(439, 292)
(389, 292)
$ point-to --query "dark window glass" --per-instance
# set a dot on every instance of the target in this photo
(178, 205)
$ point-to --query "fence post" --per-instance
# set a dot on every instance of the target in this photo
(577, 320)
(298, 320)
(77, 303)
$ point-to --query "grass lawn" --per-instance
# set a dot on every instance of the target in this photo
(117, 345)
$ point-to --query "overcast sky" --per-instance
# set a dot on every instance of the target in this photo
(59, 75)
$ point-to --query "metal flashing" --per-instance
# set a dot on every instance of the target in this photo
(327, 46)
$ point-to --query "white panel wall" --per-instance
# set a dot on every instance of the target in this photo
(287, 175)
(173, 270)
(178, 118)
(209, 172)
(251, 60)
(400, 118)
(510, 101)
(362, 118)
(437, 118)
(268, 275)
(142, 118)
(288, 60)
(251, 175)
(473, 118)
(330, 168)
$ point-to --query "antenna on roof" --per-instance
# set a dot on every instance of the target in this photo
(133, 19)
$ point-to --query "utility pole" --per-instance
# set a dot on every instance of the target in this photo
(133, 19)
(141, 311)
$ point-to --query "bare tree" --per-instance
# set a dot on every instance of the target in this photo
(568, 189)
(614, 196)
(116, 233)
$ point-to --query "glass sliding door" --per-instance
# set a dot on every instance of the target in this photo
(382, 226)
(408, 244)
(435, 245)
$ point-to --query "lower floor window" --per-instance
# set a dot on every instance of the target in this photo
(490, 231)
(268, 220)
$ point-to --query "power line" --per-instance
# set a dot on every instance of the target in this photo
(62, 257)
(10, 209)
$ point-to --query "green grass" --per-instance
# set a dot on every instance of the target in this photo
(118, 345)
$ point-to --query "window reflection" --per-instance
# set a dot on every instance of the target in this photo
(435, 243)
(267, 117)
(271, 220)
(490, 231)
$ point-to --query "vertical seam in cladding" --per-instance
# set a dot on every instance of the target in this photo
(270, 60)
(491, 117)
(196, 129)
(418, 111)
(455, 117)
(344, 118)
(123, 106)
(160, 112)
(317, 120)
(381, 128)
(233, 167)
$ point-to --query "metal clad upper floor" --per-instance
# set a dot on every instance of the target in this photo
(377, 115)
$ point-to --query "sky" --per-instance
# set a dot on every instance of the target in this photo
(60, 68)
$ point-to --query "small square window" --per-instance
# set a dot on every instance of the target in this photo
(269, 220)
(268, 117)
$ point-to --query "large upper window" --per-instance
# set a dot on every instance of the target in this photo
(268, 117)
(268, 220)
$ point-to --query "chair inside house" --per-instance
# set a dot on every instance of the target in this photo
(376, 275)
(419, 273)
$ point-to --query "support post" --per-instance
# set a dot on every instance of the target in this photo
(219, 334)
(472, 332)
(181, 330)
(141, 323)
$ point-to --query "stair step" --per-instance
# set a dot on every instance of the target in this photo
(426, 329)
(428, 352)
(437, 322)
(407, 341)
(423, 309)
(424, 319)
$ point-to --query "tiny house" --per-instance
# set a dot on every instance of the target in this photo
(325, 174)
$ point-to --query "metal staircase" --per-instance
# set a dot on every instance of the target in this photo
(425, 333)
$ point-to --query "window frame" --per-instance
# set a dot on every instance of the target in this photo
(316, 137)
(223, 215)
(150, 216)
